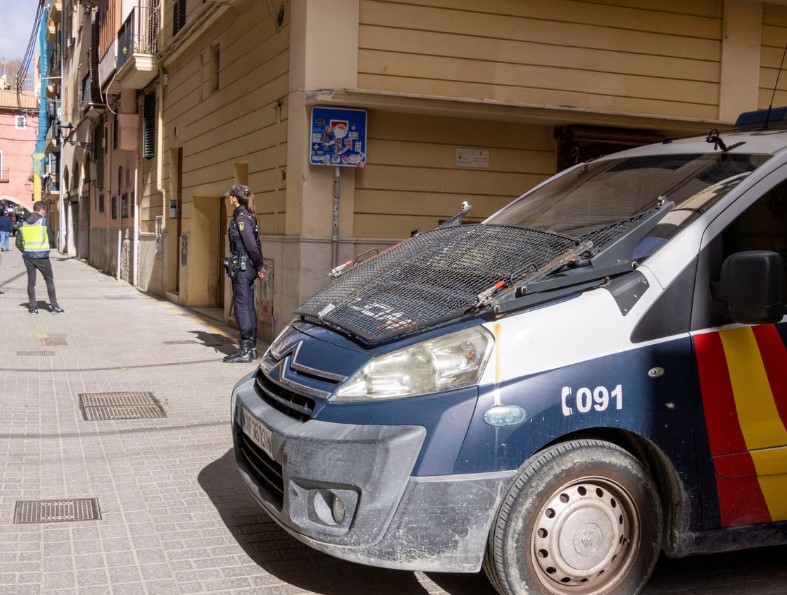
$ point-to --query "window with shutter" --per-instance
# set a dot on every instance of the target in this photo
(178, 15)
(99, 150)
(149, 127)
(115, 131)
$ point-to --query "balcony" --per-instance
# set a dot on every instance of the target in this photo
(50, 183)
(92, 103)
(56, 10)
(55, 56)
(137, 62)
(53, 136)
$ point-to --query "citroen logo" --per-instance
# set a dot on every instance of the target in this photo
(587, 539)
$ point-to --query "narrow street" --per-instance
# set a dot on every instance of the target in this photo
(173, 516)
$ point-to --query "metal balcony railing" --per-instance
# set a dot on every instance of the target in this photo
(139, 33)
(53, 109)
(53, 130)
(54, 59)
(52, 184)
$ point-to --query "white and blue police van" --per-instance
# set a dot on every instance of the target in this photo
(593, 375)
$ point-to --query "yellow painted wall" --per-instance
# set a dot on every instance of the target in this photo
(630, 56)
(624, 63)
(244, 121)
(239, 125)
(412, 178)
(774, 40)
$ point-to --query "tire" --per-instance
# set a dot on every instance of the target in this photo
(582, 517)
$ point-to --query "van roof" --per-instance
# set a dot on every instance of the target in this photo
(768, 142)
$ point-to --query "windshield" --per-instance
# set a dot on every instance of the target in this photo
(600, 193)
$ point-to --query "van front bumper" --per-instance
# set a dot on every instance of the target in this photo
(347, 489)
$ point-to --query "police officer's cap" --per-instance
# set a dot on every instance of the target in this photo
(239, 191)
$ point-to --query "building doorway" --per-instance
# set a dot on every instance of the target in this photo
(206, 256)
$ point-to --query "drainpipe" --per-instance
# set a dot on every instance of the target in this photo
(60, 160)
(135, 243)
(120, 240)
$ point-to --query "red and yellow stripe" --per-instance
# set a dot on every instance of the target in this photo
(743, 378)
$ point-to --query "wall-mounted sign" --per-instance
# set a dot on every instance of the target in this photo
(467, 157)
(338, 137)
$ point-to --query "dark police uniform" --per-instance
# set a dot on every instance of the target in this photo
(246, 252)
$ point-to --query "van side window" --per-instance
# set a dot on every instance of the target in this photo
(763, 226)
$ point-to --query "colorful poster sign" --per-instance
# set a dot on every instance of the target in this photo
(338, 137)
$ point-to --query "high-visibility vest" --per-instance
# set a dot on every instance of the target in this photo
(35, 237)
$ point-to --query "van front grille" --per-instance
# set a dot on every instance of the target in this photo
(265, 470)
(288, 402)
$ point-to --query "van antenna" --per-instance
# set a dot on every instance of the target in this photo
(776, 86)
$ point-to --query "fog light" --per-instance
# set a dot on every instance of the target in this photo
(337, 509)
(330, 507)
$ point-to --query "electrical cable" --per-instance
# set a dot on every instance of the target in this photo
(29, 52)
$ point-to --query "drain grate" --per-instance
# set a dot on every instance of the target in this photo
(120, 405)
(33, 353)
(56, 511)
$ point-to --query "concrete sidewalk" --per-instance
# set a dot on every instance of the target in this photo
(173, 514)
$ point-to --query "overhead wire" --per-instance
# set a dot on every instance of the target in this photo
(28, 57)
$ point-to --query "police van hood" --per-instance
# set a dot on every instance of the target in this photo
(445, 274)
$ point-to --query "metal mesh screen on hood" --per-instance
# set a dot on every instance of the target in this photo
(430, 278)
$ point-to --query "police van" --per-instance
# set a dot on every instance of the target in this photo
(595, 374)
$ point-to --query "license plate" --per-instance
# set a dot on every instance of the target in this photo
(257, 433)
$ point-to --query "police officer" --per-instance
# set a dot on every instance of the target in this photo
(34, 243)
(244, 267)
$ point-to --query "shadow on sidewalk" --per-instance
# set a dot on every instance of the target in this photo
(288, 560)
(218, 342)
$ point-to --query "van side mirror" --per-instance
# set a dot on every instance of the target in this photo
(752, 287)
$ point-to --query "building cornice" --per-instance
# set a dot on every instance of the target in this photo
(487, 109)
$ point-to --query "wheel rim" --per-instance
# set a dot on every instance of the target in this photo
(585, 536)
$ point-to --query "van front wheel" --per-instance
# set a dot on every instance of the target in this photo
(582, 517)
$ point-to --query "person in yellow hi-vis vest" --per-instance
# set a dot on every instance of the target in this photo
(35, 253)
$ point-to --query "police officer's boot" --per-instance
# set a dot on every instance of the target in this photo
(245, 355)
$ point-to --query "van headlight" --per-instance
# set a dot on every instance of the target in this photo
(443, 363)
